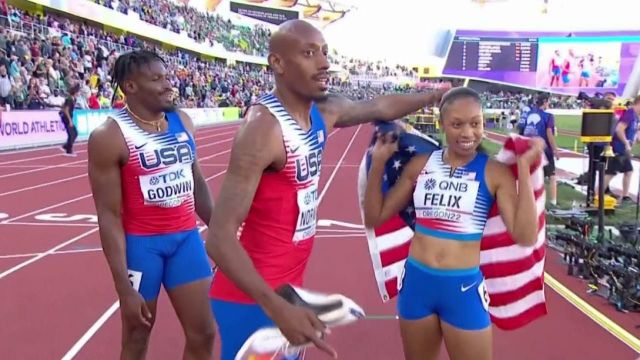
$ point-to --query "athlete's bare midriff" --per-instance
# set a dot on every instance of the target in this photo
(443, 253)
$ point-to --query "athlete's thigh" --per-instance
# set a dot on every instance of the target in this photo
(465, 320)
(418, 297)
(421, 339)
(145, 264)
(187, 261)
(192, 307)
(467, 344)
(187, 279)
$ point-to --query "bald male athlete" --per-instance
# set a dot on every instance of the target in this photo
(271, 189)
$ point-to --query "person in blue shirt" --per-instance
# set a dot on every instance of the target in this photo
(540, 123)
(524, 112)
(623, 139)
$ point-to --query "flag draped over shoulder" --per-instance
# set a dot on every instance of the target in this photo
(514, 275)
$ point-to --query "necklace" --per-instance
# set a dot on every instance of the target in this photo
(452, 169)
(156, 123)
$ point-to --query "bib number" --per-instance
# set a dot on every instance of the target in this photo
(308, 206)
(135, 278)
(484, 295)
(445, 198)
(400, 278)
(168, 188)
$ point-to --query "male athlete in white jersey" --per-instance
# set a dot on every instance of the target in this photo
(147, 188)
(271, 189)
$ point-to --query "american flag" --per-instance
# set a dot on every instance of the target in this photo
(514, 275)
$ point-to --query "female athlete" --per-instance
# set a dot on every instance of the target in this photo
(442, 293)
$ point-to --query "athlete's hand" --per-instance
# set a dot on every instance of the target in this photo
(386, 145)
(135, 309)
(533, 154)
(442, 89)
(301, 326)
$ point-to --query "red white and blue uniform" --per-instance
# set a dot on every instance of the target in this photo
(279, 230)
(163, 245)
(453, 205)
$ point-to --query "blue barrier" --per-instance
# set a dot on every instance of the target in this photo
(86, 121)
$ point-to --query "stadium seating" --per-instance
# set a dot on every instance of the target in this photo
(45, 55)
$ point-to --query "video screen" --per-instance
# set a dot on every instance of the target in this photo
(578, 65)
(557, 62)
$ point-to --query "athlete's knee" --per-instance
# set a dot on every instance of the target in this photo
(201, 339)
(201, 331)
(136, 338)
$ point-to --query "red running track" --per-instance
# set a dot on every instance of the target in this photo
(59, 301)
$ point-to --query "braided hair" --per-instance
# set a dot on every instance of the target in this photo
(129, 62)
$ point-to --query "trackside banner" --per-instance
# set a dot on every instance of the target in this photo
(30, 128)
(21, 129)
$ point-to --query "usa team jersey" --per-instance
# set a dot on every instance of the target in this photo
(157, 180)
(452, 206)
(280, 227)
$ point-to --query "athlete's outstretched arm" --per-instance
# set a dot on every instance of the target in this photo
(342, 112)
(256, 146)
(378, 208)
(105, 157)
(201, 193)
(515, 199)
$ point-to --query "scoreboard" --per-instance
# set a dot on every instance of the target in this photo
(493, 54)
(561, 62)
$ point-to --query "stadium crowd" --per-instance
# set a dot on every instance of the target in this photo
(518, 100)
(41, 56)
(203, 28)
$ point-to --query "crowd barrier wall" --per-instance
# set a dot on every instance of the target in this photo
(577, 112)
(33, 128)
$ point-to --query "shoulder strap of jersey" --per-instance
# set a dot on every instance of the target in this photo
(274, 105)
(130, 132)
(124, 121)
(482, 159)
(175, 122)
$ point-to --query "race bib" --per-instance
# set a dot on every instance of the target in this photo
(400, 279)
(484, 295)
(307, 205)
(168, 188)
(135, 278)
(446, 198)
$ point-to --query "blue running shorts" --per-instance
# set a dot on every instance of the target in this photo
(236, 323)
(457, 296)
(168, 259)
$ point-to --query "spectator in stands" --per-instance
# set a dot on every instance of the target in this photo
(56, 100)
(93, 101)
(118, 101)
(35, 101)
(623, 140)
(19, 92)
(6, 88)
(540, 123)
(4, 61)
(71, 52)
